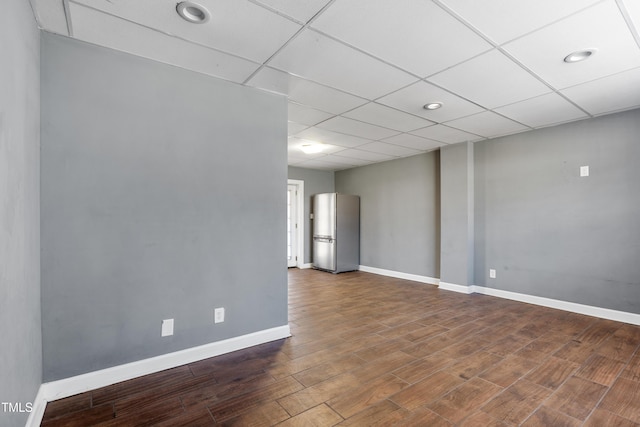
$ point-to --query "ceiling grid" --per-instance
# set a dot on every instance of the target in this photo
(357, 73)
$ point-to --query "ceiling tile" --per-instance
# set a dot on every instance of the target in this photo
(302, 10)
(316, 57)
(348, 161)
(415, 142)
(305, 115)
(299, 156)
(412, 98)
(329, 137)
(364, 155)
(445, 134)
(504, 20)
(424, 30)
(305, 92)
(601, 26)
(231, 29)
(315, 164)
(322, 165)
(293, 128)
(387, 117)
(491, 80)
(115, 33)
(609, 94)
(633, 9)
(389, 149)
(356, 128)
(294, 152)
(487, 124)
(542, 111)
(294, 159)
(294, 146)
(296, 156)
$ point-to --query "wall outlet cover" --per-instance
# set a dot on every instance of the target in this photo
(218, 315)
(167, 327)
(492, 273)
(584, 171)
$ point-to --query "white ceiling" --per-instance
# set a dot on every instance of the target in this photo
(357, 72)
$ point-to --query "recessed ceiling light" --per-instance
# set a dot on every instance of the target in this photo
(311, 148)
(193, 12)
(579, 55)
(432, 106)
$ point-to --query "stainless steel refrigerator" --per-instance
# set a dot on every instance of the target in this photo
(336, 232)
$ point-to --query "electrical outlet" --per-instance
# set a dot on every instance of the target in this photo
(492, 273)
(218, 315)
(167, 327)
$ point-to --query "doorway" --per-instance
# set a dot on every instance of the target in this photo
(295, 209)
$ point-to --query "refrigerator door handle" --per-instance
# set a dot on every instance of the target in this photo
(323, 239)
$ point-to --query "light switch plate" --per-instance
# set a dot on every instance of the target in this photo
(584, 171)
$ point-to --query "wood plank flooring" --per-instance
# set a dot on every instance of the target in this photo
(370, 350)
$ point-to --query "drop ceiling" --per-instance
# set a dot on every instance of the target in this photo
(358, 72)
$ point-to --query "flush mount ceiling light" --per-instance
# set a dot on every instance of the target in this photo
(432, 106)
(579, 55)
(193, 12)
(310, 148)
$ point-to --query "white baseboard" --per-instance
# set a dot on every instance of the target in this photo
(589, 310)
(305, 266)
(70, 386)
(400, 275)
(37, 412)
(603, 313)
(456, 288)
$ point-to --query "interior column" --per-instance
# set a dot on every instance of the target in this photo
(457, 218)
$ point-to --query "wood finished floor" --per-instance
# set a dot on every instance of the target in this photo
(371, 350)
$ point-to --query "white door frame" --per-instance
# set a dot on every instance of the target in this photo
(300, 220)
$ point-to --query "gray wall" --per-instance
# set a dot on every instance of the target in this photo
(21, 354)
(549, 232)
(163, 196)
(315, 181)
(399, 213)
(457, 214)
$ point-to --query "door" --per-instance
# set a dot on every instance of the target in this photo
(292, 225)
